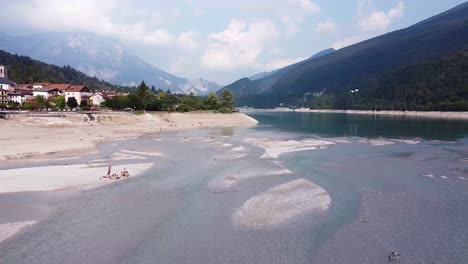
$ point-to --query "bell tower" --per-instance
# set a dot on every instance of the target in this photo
(3, 72)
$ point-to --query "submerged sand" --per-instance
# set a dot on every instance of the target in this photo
(282, 203)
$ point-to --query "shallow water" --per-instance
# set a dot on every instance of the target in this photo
(183, 210)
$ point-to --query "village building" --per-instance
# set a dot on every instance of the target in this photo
(3, 97)
(21, 94)
(80, 92)
(6, 85)
(16, 98)
(97, 98)
(39, 85)
(46, 92)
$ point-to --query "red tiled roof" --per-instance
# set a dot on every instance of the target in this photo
(23, 90)
(43, 84)
(25, 85)
(77, 88)
(59, 86)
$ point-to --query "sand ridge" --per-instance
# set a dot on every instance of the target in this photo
(282, 203)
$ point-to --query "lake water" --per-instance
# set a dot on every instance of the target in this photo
(409, 198)
(387, 194)
(340, 124)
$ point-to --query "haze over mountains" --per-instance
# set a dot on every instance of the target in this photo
(102, 57)
(362, 65)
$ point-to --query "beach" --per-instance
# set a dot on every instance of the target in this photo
(35, 137)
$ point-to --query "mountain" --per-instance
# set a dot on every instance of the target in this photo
(22, 69)
(105, 58)
(360, 64)
(322, 53)
(266, 74)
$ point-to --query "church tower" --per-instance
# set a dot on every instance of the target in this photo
(3, 72)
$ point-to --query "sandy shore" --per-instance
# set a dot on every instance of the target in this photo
(431, 114)
(68, 136)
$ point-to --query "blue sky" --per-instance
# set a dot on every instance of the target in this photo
(221, 40)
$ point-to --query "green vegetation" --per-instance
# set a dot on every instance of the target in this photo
(441, 85)
(40, 101)
(60, 102)
(148, 99)
(72, 103)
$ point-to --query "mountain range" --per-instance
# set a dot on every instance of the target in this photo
(102, 57)
(362, 64)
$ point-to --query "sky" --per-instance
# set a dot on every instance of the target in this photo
(221, 40)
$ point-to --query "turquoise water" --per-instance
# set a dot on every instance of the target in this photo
(383, 200)
(335, 124)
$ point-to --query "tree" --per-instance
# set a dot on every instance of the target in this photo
(84, 104)
(12, 106)
(212, 102)
(60, 102)
(227, 99)
(29, 106)
(72, 103)
(169, 102)
(40, 101)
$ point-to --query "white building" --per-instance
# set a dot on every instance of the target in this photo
(6, 85)
(40, 85)
(17, 98)
(97, 99)
(44, 92)
(80, 92)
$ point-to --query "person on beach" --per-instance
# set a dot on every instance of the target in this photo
(109, 169)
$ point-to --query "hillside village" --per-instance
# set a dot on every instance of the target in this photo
(13, 95)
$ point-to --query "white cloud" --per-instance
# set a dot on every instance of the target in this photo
(278, 64)
(305, 6)
(100, 17)
(291, 25)
(188, 40)
(348, 41)
(239, 45)
(371, 19)
(326, 27)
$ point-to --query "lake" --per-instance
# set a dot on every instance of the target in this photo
(298, 188)
(359, 125)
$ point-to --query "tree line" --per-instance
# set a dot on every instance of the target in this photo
(148, 99)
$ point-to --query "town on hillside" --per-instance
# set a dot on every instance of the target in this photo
(42, 95)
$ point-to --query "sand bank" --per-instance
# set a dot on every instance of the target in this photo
(282, 203)
(50, 178)
(67, 136)
(9, 229)
(275, 148)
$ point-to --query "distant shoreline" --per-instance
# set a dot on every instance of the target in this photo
(431, 114)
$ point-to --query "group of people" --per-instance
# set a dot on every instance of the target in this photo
(123, 174)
